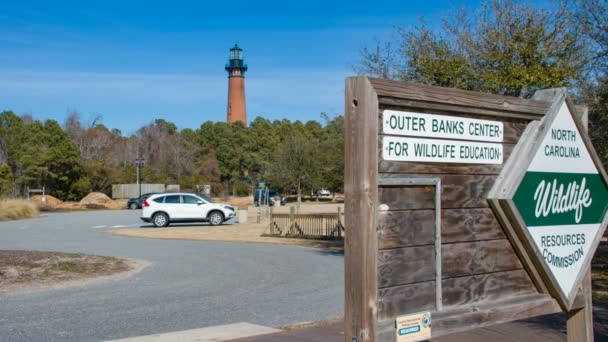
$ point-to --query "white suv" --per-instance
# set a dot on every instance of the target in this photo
(163, 209)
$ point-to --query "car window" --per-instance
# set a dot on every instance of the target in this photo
(159, 199)
(172, 199)
(189, 199)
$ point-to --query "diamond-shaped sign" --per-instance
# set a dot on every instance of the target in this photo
(554, 192)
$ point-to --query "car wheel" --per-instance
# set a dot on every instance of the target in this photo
(160, 220)
(216, 218)
(134, 206)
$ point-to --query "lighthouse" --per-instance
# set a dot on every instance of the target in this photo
(236, 86)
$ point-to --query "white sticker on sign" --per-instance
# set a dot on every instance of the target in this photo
(413, 327)
(441, 126)
(440, 151)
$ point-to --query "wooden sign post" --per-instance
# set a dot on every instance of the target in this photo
(423, 234)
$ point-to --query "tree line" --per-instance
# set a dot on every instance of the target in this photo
(75, 159)
(503, 47)
(509, 48)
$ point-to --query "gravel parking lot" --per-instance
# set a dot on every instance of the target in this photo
(187, 285)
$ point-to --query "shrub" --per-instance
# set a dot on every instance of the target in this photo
(240, 189)
(217, 189)
(14, 209)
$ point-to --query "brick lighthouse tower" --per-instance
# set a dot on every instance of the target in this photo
(236, 86)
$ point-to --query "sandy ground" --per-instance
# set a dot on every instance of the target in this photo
(243, 232)
(248, 232)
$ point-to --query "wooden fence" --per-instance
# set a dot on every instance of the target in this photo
(308, 226)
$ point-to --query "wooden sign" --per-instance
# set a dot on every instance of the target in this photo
(556, 192)
(421, 234)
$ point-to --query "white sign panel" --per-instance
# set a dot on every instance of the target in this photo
(563, 200)
(441, 126)
(440, 151)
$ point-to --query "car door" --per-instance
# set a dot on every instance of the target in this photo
(191, 207)
(173, 206)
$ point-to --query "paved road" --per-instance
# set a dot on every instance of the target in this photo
(189, 284)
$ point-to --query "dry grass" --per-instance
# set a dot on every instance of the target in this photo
(22, 270)
(14, 209)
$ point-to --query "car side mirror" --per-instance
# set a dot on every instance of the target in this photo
(199, 202)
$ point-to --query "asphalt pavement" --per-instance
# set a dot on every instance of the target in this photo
(188, 284)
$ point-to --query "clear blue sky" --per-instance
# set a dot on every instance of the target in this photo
(133, 61)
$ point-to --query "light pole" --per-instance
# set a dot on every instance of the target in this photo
(139, 162)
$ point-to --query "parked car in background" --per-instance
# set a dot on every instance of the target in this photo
(324, 192)
(320, 192)
(163, 209)
(260, 197)
(136, 203)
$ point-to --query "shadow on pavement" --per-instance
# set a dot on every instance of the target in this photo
(331, 252)
(185, 225)
(558, 322)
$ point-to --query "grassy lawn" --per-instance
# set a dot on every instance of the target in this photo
(24, 270)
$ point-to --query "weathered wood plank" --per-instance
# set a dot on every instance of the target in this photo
(417, 227)
(406, 265)
(442, 168)
(400, 104)
(459, 98)
(519, 246)
(469, 258)
(462, 291)
(361, 192)
(457, 191)
(463, 225)
(580, 321)
(486, 287)
(399, 300)
(403, 198)
(405, 228)
(480, 315)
